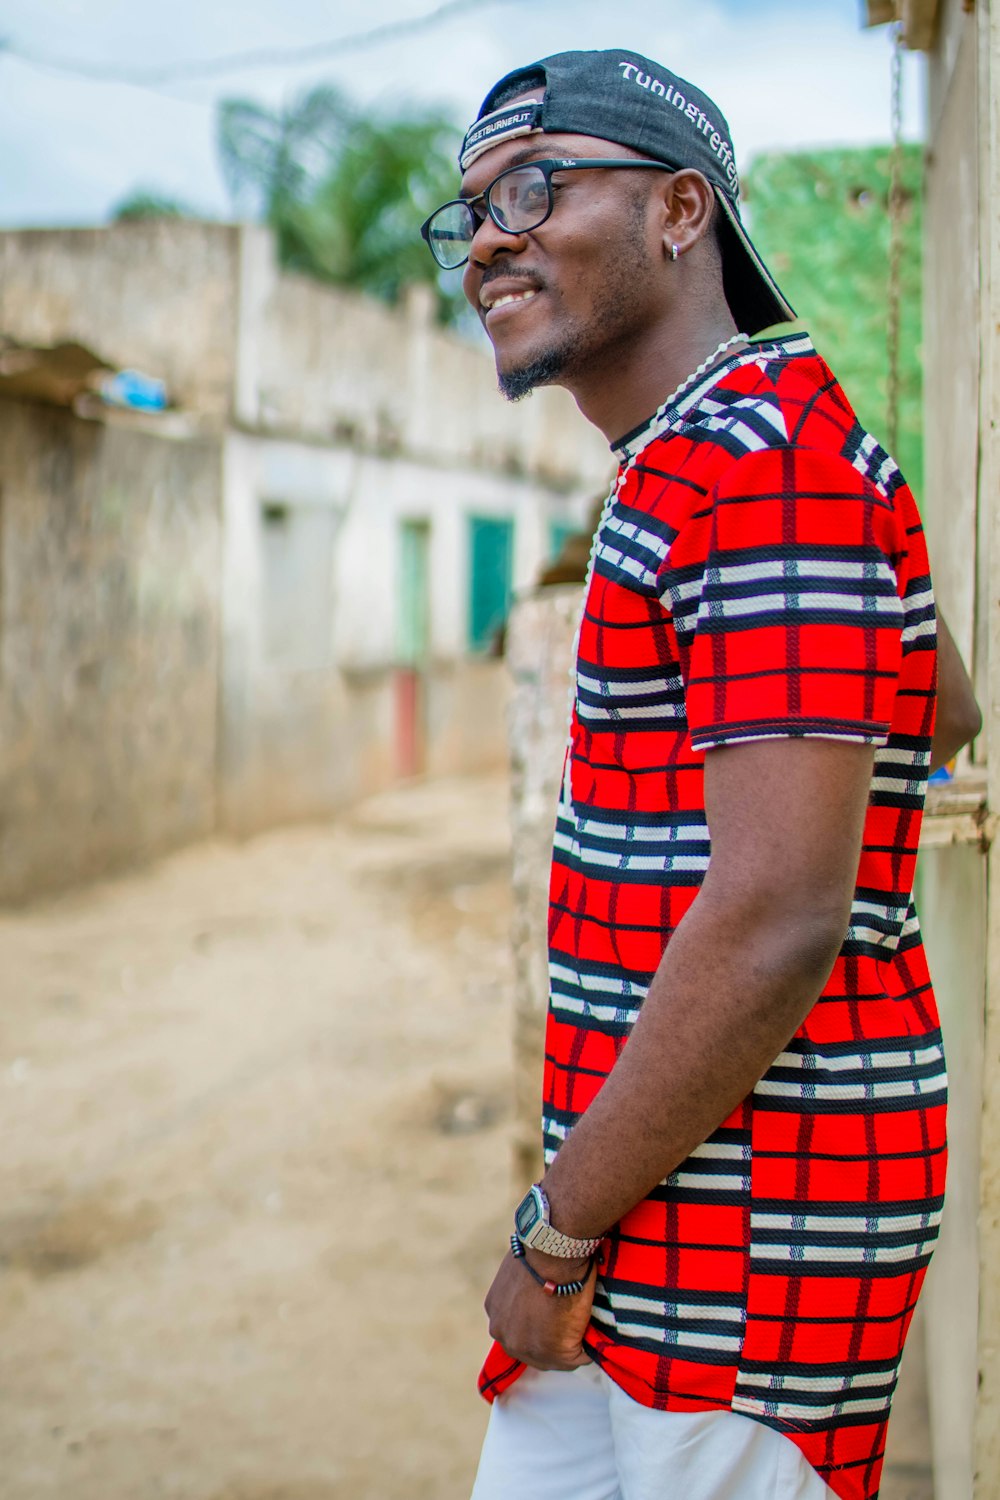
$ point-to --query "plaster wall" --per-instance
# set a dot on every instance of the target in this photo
(337, 419)
(109, 556)
(309, 695)
(157, 295)
(539, 659)
(330, 364)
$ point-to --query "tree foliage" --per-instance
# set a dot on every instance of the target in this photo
(366, 213)
(272, 159)
(345, 192)
(150, 203)
(821, 221)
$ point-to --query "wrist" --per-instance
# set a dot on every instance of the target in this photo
(566, 1214)
(535, 1230)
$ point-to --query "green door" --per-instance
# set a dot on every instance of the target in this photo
(491, 568)
(413, 620)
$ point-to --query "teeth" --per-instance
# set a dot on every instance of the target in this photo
(511, 297)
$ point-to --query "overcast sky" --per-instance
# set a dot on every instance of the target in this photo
(788, 73)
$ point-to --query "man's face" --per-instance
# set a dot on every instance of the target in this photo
(584, 283)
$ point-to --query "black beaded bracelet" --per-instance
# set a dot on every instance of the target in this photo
(554, 1288)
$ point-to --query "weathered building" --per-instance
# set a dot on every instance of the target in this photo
(109, 644)
(276, 597)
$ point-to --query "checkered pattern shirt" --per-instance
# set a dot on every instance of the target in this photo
(762, 573)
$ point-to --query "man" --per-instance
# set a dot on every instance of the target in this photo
(707, 1295)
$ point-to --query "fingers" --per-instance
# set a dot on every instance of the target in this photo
(548, 1361)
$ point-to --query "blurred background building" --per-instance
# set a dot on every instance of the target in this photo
(279, 591)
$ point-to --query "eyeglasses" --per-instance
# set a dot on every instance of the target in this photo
(518, 200)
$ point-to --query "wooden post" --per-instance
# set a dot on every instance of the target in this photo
(987, 1432)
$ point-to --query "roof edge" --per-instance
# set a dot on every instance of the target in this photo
(919, 18)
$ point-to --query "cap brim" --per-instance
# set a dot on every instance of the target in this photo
(755, 299)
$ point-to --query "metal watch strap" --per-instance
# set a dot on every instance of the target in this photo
(548, 1240)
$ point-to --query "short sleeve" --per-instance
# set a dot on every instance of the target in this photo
(786, 603)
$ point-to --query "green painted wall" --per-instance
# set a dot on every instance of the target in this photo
(820, 219)
(413, 620)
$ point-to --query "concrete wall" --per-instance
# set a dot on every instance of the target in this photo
(335, 419)
(354, 418)
(109, 558)
(324, 363)
(539, 657)
(310, 691)
(159, 296)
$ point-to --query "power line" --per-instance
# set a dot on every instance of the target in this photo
(235, 62)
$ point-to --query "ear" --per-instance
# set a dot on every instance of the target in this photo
(687, 204)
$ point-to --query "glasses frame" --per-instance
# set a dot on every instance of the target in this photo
(547, 166)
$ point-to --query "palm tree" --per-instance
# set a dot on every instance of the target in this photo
(271, 159)
(346, 193)
(364, 219)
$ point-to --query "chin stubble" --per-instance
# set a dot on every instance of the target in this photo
(545, 370)
(573, 353)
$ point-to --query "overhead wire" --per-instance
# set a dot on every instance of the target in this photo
(260, 57)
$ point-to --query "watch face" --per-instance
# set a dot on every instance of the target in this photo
(526, 1215)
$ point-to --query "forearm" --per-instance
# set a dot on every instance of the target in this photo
(730, 992)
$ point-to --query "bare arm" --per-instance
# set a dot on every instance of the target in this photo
(959, 719)
(736, 981)
(738, 977)
(747, 962)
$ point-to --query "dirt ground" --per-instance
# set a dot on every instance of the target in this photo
(253, 1103)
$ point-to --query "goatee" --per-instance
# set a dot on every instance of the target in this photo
(545, 370)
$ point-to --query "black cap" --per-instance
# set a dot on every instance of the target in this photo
(625, 98)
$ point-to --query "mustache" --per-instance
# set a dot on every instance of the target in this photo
(500, 271)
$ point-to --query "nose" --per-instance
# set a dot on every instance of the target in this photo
(488, 242)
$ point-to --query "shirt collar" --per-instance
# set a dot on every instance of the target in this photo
(791, 346)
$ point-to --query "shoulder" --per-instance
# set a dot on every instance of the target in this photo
(789, 500)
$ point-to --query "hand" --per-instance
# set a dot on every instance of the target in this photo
(543, 1331)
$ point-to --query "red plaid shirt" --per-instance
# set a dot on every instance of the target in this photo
(762, 573)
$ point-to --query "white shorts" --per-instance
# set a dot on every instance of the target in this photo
(575, 1435)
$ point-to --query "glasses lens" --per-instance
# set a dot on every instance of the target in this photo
(450, 234)
(519, 199)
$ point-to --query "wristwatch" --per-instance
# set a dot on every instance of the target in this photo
(533, 1229)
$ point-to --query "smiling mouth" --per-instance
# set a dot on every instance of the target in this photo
(506, 300)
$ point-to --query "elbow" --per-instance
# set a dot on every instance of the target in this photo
(957, 726)
(972, 723)
(791, 941)
(814, 941)
(790, 964)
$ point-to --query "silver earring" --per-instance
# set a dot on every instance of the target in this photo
(674, 252)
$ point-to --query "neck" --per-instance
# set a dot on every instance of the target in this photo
(624, 393)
